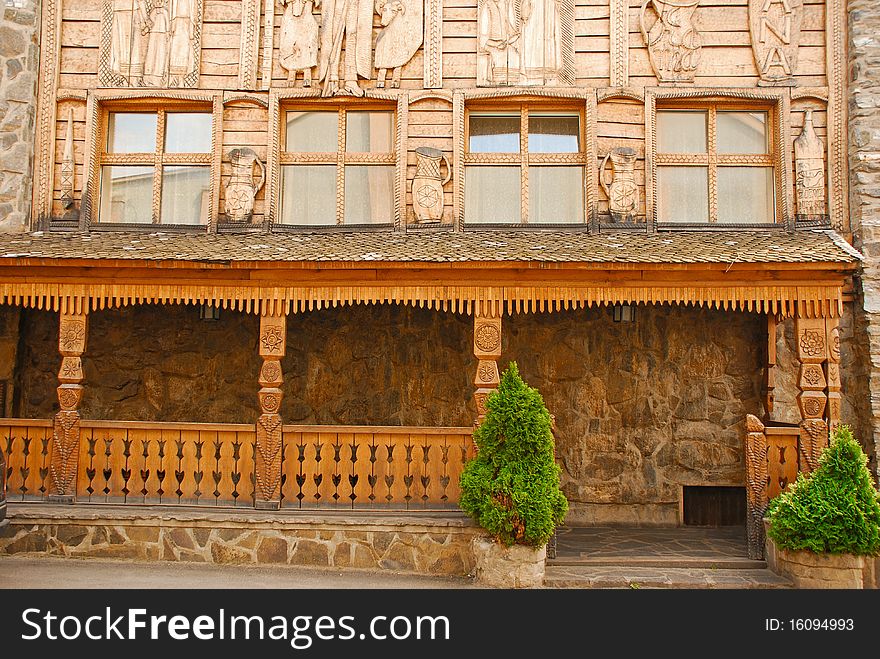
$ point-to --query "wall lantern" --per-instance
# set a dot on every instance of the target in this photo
(624, 313)
(209, 312)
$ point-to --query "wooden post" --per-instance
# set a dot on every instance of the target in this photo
(812, 400)
(267, 461)
(832, 373)
(72, 334)
(487, 349)
(757, 482)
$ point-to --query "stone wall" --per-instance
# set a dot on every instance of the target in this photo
(434, 545)
(19, 59)
(9, 318)
(642, 408)
(864, 161)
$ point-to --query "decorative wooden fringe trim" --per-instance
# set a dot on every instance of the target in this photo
(802, 301)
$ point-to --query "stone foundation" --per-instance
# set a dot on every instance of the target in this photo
(408, 543)
(517, 566)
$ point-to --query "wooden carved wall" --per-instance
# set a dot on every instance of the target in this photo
(611, 53)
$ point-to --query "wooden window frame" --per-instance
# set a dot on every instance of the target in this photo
(774, 103)
(100, 104)
(339, 158)
(523, 158)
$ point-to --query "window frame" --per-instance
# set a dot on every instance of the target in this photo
(524, 158)
(339, 158)
(158, 158)
(774, 103)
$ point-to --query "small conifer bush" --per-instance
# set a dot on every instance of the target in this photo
(511, 488)
(836, 509)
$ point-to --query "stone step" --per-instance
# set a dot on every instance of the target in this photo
(724, 562)
(563, 576)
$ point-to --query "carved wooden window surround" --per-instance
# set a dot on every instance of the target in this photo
(729, 168)
(179, 185)
(338, 165)
(557, 161)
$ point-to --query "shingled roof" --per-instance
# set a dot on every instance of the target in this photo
(741, 246)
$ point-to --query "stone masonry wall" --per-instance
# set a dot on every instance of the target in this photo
(19, 59)
(642, 408)
(9, 318)
(864, 160)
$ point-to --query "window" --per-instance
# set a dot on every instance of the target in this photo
(156, 168)
(338, 167)
(715, 164)
(524, 166)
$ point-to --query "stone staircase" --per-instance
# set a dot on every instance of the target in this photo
(656, 572)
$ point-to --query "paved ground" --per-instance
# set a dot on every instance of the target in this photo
(50, 572)
(609, 542)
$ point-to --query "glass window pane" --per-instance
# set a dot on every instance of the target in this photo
(369, 132)
(308, 194)
(742, 132)
(493, 134)
(369, 194)
(131, 132)
(556, 195)
(553, 134)
(492, 195)
(745, 194)
(126, 194)
(312, 132)
(186, 194)
(682, 194)
(681, 131)
(188, 132)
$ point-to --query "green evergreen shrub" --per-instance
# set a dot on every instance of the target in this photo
(511, 488)
(836, 509)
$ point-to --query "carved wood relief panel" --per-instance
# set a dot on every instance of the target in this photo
(608, 52)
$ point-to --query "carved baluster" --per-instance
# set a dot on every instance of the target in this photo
(832, 372)
(812, 352)
(273, 335)
(757, 481)
(72, 333)
(487, 349)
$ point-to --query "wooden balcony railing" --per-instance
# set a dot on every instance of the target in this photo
(157, 463)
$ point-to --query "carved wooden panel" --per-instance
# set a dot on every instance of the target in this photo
(757, 476)
(775, 27)
(782, 457)
(27, 447)
(268, 451)
(673, 40)
(812, 348)
(150, 43)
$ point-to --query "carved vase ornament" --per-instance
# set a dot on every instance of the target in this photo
(673, 41)
(809, 165)
(242, 187)
(622, 192)
(427, 185)
(775, 27)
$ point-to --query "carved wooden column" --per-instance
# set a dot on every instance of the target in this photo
(812, 353)
(757, 483)
(72, 333)
(487, 349)
(832, 373)
(273, 340)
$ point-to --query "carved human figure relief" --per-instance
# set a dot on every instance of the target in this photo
(775, 27)
(673, 40)
(400, 37)
(299, 40)
(150, 43)
(242, 187)
(620, 185)
(67, 165)
(525, 42)
(809, 164)
(347, 23)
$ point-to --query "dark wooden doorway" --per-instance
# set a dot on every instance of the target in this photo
(714, 506)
